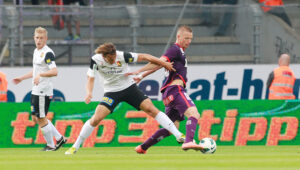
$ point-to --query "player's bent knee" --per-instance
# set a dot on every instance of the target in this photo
(151, 110)
(94, 121)
(196, 115)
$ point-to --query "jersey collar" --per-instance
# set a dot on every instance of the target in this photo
(180, 46)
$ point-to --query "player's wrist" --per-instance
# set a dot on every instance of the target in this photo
(140, 76)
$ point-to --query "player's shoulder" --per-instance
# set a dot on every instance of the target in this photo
(174, 48)
(98, 59)
(119, 54)
(47, 49)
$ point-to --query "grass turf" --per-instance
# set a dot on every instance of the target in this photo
(166, 158)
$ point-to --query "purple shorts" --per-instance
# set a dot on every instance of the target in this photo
(176, 102)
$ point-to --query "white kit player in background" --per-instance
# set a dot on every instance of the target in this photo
(44, 68)
(112, 65)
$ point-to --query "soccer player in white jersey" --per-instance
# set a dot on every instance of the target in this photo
(112, 65)
(44, 68)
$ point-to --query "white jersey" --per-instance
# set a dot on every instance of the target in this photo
(113, 74)
(43, 60)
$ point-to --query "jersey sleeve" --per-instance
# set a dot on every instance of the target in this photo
(171, 54)
(92, 69)
(130, 57)
(49, 60)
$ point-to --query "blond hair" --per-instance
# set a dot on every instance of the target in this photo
(184, 28)
(106, 48)
(41, 30)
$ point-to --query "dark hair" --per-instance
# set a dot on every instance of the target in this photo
(106, 48)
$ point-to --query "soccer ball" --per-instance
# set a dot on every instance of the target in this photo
(209, 145)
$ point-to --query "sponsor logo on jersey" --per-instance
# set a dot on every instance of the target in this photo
(119, 63)
(42, 55)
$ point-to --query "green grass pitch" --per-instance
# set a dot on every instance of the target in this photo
(158, 157)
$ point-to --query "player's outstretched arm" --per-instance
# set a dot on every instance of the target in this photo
(89, 89)
(18, 80)
(138, 78)
(156, 63)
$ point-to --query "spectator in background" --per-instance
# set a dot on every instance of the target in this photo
(3, 87)
(275, 7)
(74, 8)
(281, 80)
(226, 19)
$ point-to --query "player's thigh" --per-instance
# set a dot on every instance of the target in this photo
(40, 105)
(173, 114)
(110, 100)
(135, 97)
(149, 107)
(100, 113)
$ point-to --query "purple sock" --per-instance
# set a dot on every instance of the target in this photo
(191, 125)
(155, 138)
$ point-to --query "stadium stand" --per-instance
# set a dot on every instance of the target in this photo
(147, 30)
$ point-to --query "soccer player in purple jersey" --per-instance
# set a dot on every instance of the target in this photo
(177, 103)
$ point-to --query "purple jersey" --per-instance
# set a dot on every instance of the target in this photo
(176, 55)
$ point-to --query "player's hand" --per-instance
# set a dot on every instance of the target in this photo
(169, 66)
(137, 79)
(17, 80)
(88, 98)
(36, 80)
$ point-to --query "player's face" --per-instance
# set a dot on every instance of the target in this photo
(110, 58)
(40, 40)
(184, 39)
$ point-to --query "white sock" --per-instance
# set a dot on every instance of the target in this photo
(166, 123)
(85, 132)
(47, 133)
(55, 132)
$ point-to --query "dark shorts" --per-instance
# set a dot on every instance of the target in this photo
(176, 102)
(40, 105)
(132, 95)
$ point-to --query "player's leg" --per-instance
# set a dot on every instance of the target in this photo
(39, 112)
(135, 97)
(191, 124)
(190, 111)
(47, 133)
(160, 117)
(185, 106)
(60, 139)
(154, 139)
(100, 113)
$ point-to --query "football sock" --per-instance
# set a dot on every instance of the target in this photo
(47, 133)
(191, 125)
(55, 133)
(85, 132)
(166, 123)
(155, 138)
